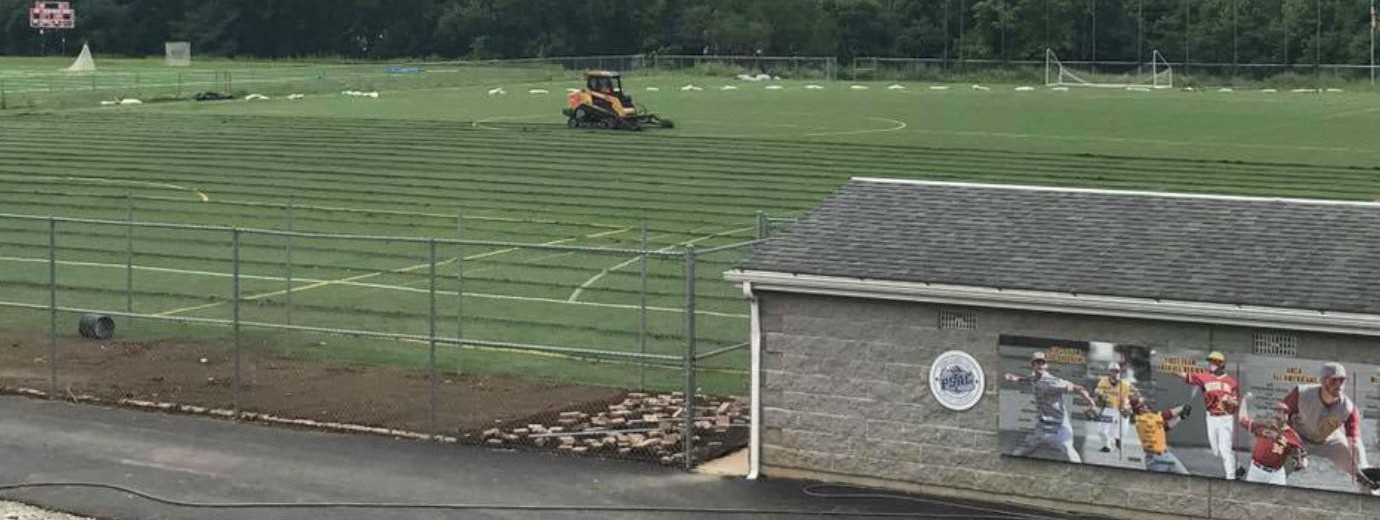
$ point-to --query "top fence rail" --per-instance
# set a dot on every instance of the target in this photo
(662, 252)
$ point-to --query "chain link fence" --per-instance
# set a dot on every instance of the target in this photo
(1185, 74)
(33, 89)
(567, 345)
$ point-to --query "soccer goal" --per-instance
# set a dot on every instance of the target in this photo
(83, 63)
(177, 54)
(1155, 75)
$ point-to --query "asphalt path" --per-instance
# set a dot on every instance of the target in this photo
(193, 459)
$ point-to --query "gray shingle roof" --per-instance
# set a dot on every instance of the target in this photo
(1293, 254)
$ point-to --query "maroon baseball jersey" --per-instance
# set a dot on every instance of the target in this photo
(1271, 451)
(1215, 389)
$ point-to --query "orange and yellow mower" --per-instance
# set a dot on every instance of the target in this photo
(604, 104)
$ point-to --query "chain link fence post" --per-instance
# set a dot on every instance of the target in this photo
(431, 333)
(460, 283)
(129, 252)
(688, 436)
(235, 304)
(642, 310)
(287, 259)
(52, 309)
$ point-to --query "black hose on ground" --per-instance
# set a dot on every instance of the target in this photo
(984, 513)
(96, 326)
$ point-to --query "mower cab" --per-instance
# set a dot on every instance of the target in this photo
(603, 103)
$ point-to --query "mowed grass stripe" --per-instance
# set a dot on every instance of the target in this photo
(1364, 174)
(1187, 179)
(436, 130)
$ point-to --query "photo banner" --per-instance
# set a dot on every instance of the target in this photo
(1271, 420)
(1048, 417)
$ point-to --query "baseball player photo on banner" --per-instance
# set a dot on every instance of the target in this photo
(1369, 389)
(1072, 400)
(1207, 413)
(1305, 423)
(1205, 387)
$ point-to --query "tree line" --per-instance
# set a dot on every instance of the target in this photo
(1218, 31)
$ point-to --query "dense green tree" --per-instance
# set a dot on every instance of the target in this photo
(1219, 31)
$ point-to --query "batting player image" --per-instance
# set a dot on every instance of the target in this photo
(1052, 429)
(1152, 428)
(1329, 423)
(1113, 394)
(1220, 398)
(1276, 444)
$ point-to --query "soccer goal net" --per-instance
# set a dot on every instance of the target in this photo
(83, 63)
(177, 54)
(1157, 74)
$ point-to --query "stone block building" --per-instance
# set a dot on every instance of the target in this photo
(852, 304)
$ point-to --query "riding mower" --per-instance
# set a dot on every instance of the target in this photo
(604, 104)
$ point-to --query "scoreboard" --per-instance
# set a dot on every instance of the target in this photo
(52, 15)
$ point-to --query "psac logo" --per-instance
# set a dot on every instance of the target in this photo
(956, 380)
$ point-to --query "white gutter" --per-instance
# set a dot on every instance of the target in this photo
(1043, 301)
(1140, 193)
(755, 382)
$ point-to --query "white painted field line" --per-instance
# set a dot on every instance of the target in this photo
(101, 180)
(900, 125)
(575, 295)
(399, 288)
(408, 269)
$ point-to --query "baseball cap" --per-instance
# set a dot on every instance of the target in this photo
(1216, 356)
(1114, 366)
(1037, 356)
(1332, 370)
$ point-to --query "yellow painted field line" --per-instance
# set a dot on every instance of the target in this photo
(366, 276)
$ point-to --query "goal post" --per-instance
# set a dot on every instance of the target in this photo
(177, 54)
(1110, 75)
(1162, 73)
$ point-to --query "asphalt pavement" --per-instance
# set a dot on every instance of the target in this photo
(200, 460)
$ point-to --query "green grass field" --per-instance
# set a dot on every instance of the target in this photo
(407, 163)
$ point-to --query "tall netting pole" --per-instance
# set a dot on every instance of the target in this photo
(1317, 43)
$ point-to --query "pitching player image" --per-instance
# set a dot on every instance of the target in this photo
(1052, 429)
(1114, 396)
(1276, 444)
(1152, 428)
(1220, 398)
(1329, 423)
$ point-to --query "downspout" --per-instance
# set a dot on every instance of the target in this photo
(755, 382)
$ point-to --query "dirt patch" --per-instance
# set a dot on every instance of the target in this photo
(191, 374)
(155, 374)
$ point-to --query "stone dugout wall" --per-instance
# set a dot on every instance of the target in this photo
(846, 399)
